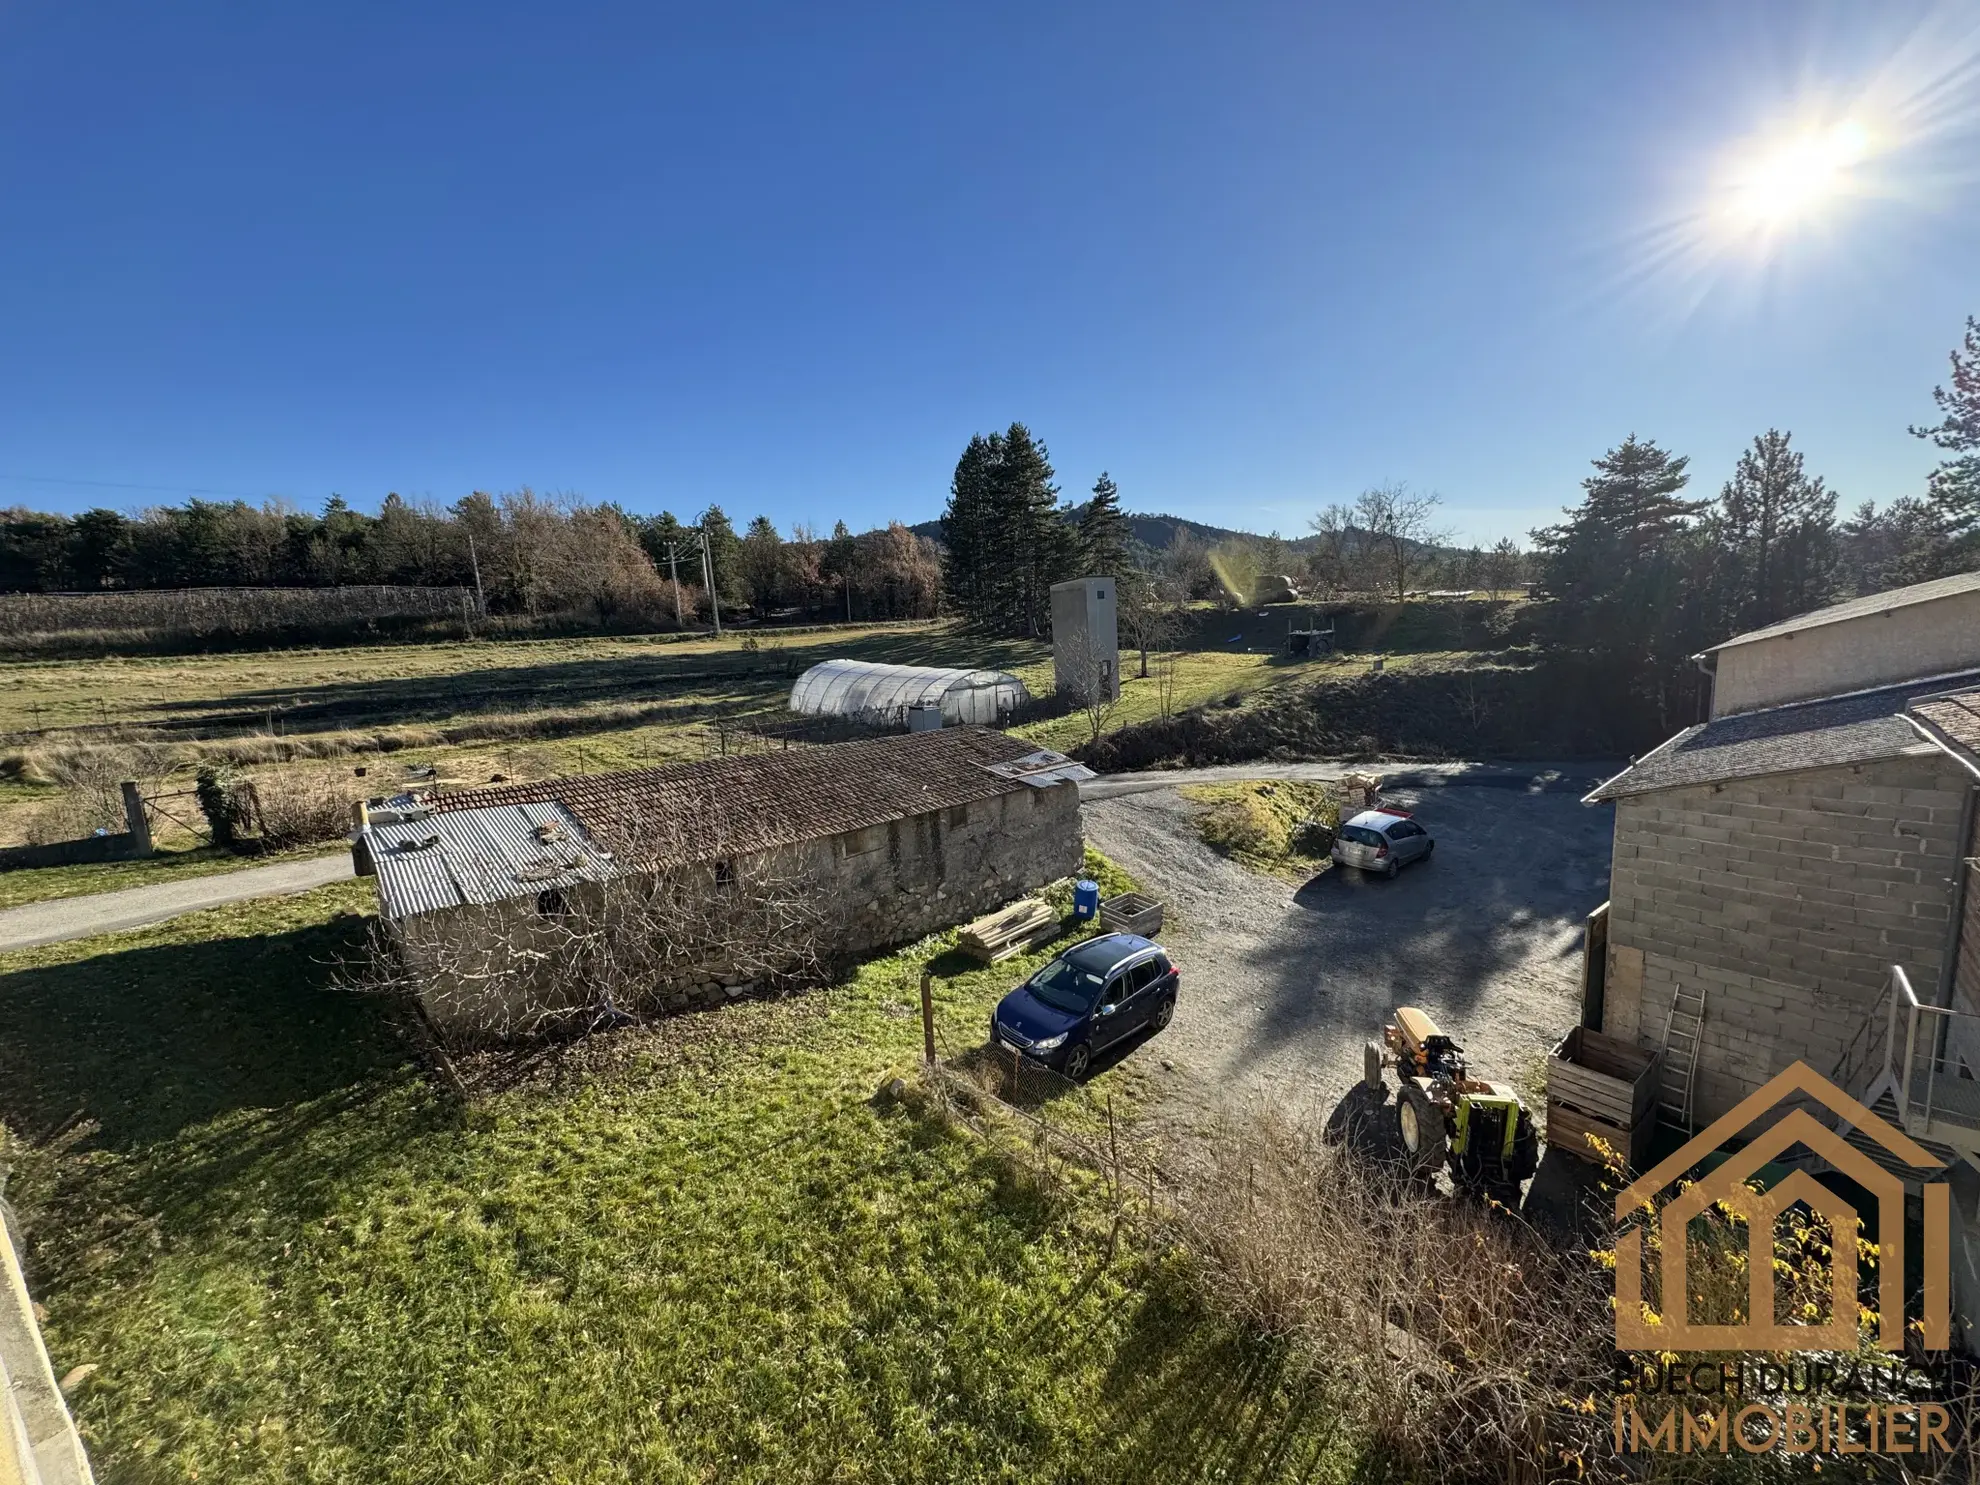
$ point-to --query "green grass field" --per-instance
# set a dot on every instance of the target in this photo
(473, 711)
(713, 1256)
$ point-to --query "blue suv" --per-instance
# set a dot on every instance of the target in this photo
(1090, 997)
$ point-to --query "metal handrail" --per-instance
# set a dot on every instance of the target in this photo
(1905, 1003)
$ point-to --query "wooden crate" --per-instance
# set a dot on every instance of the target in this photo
(1604, 1076)
(1568, 1130)
(1132, 912)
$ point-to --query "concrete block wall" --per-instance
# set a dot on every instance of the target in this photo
(1786, 899)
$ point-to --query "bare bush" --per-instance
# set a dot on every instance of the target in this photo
(300, 810)
(652, 938)
(1431, 1319)
(91, 775)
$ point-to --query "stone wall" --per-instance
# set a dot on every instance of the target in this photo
(874, 889)
(1786, 899)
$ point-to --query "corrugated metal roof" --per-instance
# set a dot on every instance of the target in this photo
(1857, 608)
(447, 858)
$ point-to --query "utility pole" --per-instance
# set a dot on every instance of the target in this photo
(708, 576)
(480, 598)
(674, 568)
(849, 595)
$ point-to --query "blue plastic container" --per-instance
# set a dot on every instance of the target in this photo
(1086, 900)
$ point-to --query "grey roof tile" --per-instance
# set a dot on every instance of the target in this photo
(1806, 734)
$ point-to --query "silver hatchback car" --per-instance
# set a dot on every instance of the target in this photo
(1381, 840)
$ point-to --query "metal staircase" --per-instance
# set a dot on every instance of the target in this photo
(1930, 1082)
(1684, 1024)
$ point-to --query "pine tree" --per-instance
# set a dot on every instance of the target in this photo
(968, 532)
(1008, 540)
(1103, 533)
(1954, 490)
(1774, 535)
(1627, 581)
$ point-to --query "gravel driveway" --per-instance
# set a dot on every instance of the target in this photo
(1283, 982)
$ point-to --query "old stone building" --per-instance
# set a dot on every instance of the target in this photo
(863, 845)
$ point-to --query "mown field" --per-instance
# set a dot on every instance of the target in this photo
(699, 1251)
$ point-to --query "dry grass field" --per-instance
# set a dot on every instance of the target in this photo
(314, 725)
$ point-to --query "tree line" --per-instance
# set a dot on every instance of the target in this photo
(522, 552)
(1640, 576)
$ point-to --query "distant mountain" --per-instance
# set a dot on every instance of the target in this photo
(1157, 532)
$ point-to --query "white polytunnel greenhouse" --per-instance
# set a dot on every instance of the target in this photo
(906, 695)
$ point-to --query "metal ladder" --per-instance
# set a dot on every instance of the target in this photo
(1683, 1026)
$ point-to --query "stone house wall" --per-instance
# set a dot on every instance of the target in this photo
(1786, 899)
(875, 888)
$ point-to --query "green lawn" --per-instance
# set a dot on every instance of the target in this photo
(710, 1257)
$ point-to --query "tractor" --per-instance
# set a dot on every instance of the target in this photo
(1444, 1115)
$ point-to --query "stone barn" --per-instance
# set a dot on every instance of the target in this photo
(505, 901)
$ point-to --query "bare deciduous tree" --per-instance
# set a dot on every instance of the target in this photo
(1501, 566)
(646, 940)
(1334, 566)
(1397, 524)
(1148, 604)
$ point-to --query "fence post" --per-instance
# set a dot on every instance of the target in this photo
(135, 818)
(927, 1017)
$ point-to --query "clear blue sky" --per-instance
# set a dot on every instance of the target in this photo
(1249, 259)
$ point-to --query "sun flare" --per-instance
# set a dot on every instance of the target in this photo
(1785, 181)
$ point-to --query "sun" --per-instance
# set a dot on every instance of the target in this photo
(1785, 181)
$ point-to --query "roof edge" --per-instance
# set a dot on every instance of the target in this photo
(1813, 618)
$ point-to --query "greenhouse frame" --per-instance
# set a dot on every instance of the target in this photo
(900, 695)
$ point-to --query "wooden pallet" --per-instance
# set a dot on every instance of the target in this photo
(1012, 930)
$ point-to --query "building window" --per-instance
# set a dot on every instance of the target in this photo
(550, 902)
(725, 875)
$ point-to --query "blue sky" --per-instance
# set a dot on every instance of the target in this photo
(1249, 259)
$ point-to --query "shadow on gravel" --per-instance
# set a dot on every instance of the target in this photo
(1514, 874)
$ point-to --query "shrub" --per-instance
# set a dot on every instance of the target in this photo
(300, 810)
(1245, 826)
(1428, 1319)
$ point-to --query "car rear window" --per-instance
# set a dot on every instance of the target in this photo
(1361, 835)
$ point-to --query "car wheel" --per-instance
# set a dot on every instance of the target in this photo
(1392, 868)
(1164, 1012)
(1078, 1060)
(1371, 1066)
(1429, 850)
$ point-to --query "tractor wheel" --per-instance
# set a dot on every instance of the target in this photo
(1371, 1066)
(1526, 1151)
(1421, 1124)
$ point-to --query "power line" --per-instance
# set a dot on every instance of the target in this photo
(37, 479)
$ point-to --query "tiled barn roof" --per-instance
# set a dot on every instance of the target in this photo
(730, 806)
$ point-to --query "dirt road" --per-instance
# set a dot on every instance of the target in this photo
(1283, 982)
(105, 912)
